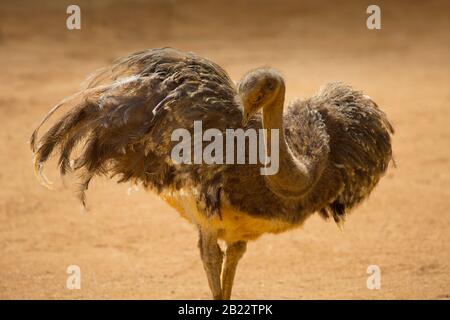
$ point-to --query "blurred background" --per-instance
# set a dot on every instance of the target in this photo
(135, 246)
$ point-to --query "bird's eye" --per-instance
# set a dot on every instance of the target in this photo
(259, 97)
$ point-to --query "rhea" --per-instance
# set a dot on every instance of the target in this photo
(333, 148)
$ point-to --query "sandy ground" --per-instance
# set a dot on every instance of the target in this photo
(136, 246)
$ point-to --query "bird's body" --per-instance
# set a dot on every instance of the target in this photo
(127, 114)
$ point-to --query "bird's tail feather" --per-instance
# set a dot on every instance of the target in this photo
(108, 125)
(336, 210)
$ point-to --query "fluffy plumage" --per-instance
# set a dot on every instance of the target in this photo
(124, 117)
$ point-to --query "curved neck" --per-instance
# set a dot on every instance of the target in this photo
(293, 178)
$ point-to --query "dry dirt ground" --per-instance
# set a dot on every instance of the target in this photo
(136, 246)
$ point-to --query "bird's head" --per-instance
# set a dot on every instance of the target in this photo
(258, 89)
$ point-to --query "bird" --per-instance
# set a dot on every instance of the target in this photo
(333, 148)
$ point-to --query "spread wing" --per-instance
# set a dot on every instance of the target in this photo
(121, 122)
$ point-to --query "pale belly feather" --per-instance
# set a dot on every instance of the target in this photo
(232, 225)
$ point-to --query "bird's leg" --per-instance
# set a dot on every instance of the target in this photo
(212, 257)
(233, 254)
